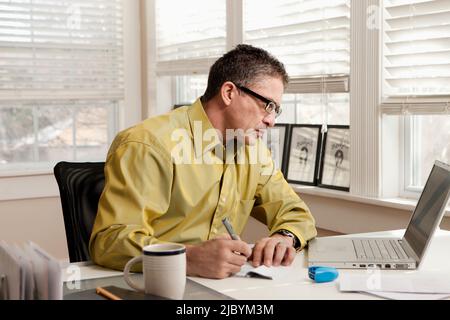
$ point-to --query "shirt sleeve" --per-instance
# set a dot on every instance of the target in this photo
(279, 207)
(138, 179)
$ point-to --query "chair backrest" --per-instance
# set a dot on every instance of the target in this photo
(80, 186)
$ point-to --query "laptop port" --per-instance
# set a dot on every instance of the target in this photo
(379, 266)
(370, 265)
(362, 265)
(387, 266)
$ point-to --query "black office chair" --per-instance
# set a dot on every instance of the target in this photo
(80, 186)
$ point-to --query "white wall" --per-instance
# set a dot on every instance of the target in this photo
(39, 220)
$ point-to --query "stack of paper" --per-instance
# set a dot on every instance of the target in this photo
(29, 273)
(393, 285)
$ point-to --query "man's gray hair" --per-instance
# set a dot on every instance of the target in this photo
(244, 65)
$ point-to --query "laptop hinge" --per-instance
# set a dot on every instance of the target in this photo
(409, 251)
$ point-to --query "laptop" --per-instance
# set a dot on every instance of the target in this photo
(390, 253)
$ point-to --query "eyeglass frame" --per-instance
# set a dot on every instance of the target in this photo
(269, 103)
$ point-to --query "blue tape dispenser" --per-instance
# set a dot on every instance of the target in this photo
(322, 274)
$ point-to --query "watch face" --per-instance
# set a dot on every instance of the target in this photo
(287, 233)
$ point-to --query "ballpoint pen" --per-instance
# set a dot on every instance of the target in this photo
(229, 228)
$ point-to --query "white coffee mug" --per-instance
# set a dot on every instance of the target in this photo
(164, 269)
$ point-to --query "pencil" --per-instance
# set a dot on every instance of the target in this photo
(103, 292)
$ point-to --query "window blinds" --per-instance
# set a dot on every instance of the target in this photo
(311, 37)
(416, 56)
(189, 31)
(61, 49)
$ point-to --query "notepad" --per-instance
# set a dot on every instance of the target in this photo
(263, 272)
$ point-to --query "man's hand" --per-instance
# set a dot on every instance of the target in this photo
(218, 258)
(274, 250)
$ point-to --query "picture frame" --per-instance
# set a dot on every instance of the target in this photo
(335, 159)
(303, 154)
(277, 140)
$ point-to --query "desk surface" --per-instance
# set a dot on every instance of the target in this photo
(295, 286)
(86, 289)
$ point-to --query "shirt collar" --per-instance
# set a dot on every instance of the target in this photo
(200, 124)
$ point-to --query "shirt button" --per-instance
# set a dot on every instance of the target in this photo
(224, 199)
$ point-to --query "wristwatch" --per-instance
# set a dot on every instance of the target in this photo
(296, 243)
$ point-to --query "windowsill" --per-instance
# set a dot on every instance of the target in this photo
(396, 203)
(28, 184)
(26, 173)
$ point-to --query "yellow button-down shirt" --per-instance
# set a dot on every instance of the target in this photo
(152, 196)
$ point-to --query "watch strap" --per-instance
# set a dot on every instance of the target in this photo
(296, 243)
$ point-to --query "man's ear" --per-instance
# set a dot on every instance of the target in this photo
(227, 92)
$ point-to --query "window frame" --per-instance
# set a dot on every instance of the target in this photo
(406, 138)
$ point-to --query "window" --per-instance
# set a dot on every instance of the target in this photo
(188, 41)
(416, 83)
(61, 80)
(189, 88)
(310, 37)
(196, 29)
(427, 138)
(330, 108)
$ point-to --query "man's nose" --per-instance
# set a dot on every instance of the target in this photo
(269, 120)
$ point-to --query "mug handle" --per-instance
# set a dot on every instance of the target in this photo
(126, 274)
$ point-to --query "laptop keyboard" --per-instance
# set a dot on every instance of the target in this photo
(379, 249)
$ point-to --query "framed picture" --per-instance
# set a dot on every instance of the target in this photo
(303, 154)
(335, 162)
(276, 142)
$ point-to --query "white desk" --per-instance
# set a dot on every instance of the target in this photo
(298, 286)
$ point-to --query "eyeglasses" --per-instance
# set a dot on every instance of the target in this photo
(270, 107)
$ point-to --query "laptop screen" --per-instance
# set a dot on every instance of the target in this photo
(429, 209)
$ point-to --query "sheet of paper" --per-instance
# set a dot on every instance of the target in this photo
(55, 284)
(40, 272)
(410, 296)
(27, 277)
(10, 267)
(247, 270)
(15, 251)
(393, 281)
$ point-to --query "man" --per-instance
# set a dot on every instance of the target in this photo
(174, 177)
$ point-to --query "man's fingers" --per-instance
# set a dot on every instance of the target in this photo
(236, 259)
(241, 247)
(268, 252)
(289, 257)
(257, 253)
(233, 269)
(280, 252)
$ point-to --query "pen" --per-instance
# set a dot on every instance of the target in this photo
(229, 228)
(103, 292)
